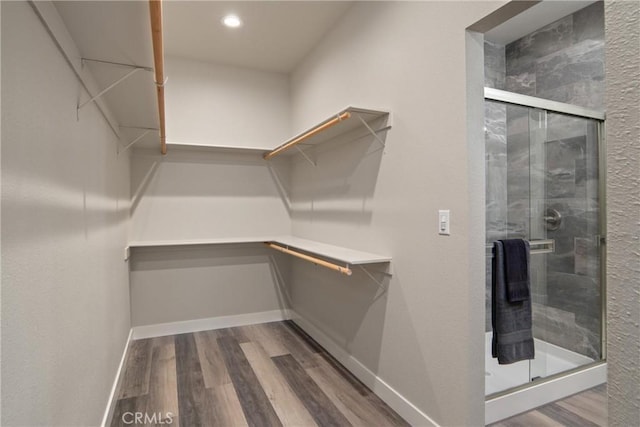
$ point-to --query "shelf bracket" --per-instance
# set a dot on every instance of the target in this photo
(119, 64)
(376, 281)
(308, 159)
(111, 86)
(138, 138)
(371, 131)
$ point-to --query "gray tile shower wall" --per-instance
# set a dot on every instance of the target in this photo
(563, 61)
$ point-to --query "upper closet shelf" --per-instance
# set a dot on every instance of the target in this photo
(344, 121)
(209, 147)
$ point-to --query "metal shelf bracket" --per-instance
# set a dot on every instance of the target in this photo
(138, 138)
(135, 69)
(371, 131)
(307, 158)
(376, 281)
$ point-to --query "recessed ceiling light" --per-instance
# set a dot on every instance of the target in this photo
(232, 21)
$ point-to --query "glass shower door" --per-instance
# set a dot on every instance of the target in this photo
(543, 185)
(568, 302)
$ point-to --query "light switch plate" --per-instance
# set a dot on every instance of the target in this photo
(444, 222)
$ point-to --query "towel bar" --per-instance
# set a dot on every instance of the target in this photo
(538, 246)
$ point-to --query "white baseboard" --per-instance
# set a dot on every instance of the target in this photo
(187, 326)
(391, 397)
(532, 397)
(114, 388)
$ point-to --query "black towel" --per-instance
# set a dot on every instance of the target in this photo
(511, 321)
(516, 261)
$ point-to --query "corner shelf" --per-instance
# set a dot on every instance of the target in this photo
(345, 255)
(344, 121)
(291, 244)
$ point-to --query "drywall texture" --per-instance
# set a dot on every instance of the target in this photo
(622, 32)
(424, 334)
(65, 203)
(211, 193)
(173, 284)
(199, 194)
(222, 105)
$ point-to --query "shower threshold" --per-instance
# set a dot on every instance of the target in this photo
(512, 392)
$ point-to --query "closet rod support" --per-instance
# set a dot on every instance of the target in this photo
(111, 86)
(376, 281)
(371, 131)
(138, 127)
(307, 158)
(120, 64)
(142, 135)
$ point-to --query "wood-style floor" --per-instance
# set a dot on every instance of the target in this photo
(271, 374)
(586, 409)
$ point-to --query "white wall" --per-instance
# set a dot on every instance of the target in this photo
(424, 335)
(222, 105)
(198, 194)
(65, 203)
(173, 284)
(205, 193)
(622, 33)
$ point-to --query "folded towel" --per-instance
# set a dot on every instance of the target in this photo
(512, 321)
(516, 261)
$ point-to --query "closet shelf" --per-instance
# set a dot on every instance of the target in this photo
(337, 253)
(344, 121)
(209, 147)
(345, 255)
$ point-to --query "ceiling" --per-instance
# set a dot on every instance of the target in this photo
(534, 18)
(275, 35)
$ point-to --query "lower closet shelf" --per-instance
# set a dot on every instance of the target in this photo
(290, 243)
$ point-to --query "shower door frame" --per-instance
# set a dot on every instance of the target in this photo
(511, 98)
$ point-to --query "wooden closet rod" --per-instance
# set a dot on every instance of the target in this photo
(338, 268)
(155, 10)
(310, 133)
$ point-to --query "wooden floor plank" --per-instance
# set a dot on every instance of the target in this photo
(591, 412)
(590, 404)
(227, 410)
(255, 403)
(344, 372)
(264, 336)
(357, 406)
(356, 413)
(214, 370)
(529, 419)
(294, 344)
(284, 401)
(565, 417)
(300, 333)
(323, 411)
(138, 368)
(193, 406)
(163, 382)
(125, 410)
